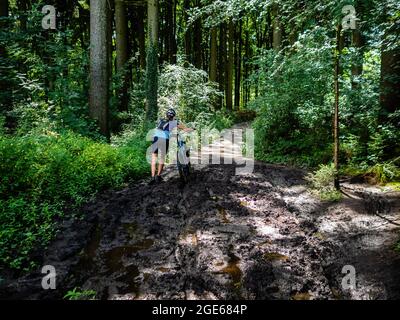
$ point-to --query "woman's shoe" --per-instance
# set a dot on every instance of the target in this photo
(152, 181)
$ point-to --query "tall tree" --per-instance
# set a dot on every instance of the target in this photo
(198, 41)
(213, 55)
(4, 94)
(238, 65)
(357, 66)
(121, 27)
(229, 65)
(3, 11)
(23, 7)
(246, 64)
(188, 33)
(99, 77)
(170, 31)
(222, 60)
(336, 109)
(277, 28)
(141, 36)
(390, 76)
(152, 61)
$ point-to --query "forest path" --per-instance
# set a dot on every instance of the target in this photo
(225, 236)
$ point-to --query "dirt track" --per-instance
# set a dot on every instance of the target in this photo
(224, 236)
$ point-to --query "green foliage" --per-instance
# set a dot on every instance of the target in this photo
(188, 90)
(294, 110)
(76, 294)
(42, 174)
(384, 172)
(397, 246)
(222, 120)
(322, 183)
(46, 75)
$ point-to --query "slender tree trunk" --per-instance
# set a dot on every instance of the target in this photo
(152, 61)
(197, 42)
(170, 42)
(238, 68)
(277, 29)
(23, 8)
(222, 60)
(213, 55)
(390, 80)
(122, 51)
(99, 77)
(246, 65)
(357, 67)
(174, 45)
(188, 33)
(229, 67)
(83, 31)
(5, 94)
(336, 112)
(142, 37)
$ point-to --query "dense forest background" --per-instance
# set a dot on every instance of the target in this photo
(75, 101)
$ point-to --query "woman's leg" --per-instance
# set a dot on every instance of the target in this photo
(164, 144)
(153, 164)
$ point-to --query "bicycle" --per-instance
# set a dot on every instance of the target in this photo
(183, 160)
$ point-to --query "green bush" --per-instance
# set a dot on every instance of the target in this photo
(41, 175)
(322, 183)
(384, 172)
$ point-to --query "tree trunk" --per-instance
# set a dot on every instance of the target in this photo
(213, 55)
(238, 67)
(197, 42)
(336, 112)
(188, 33)
(390, 80)
(23, 8)
(246, 65)
(170, 42)
(222, 60)
(277, 29)
(121, 27)
(229, 67)
(5, 95)
(357, 67)
(142, 38)
(152, 61)
(99, 76)
(3, 13)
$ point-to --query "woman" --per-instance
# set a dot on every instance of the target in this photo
(161, 143)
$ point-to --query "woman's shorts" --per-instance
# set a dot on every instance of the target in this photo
(160, 145)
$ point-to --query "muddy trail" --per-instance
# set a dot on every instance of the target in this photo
(226, 236)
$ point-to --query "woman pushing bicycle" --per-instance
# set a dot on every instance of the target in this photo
(160, 145)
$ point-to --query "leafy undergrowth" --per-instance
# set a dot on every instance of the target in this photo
(42, 174)
(322, 183)
(76, 294)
